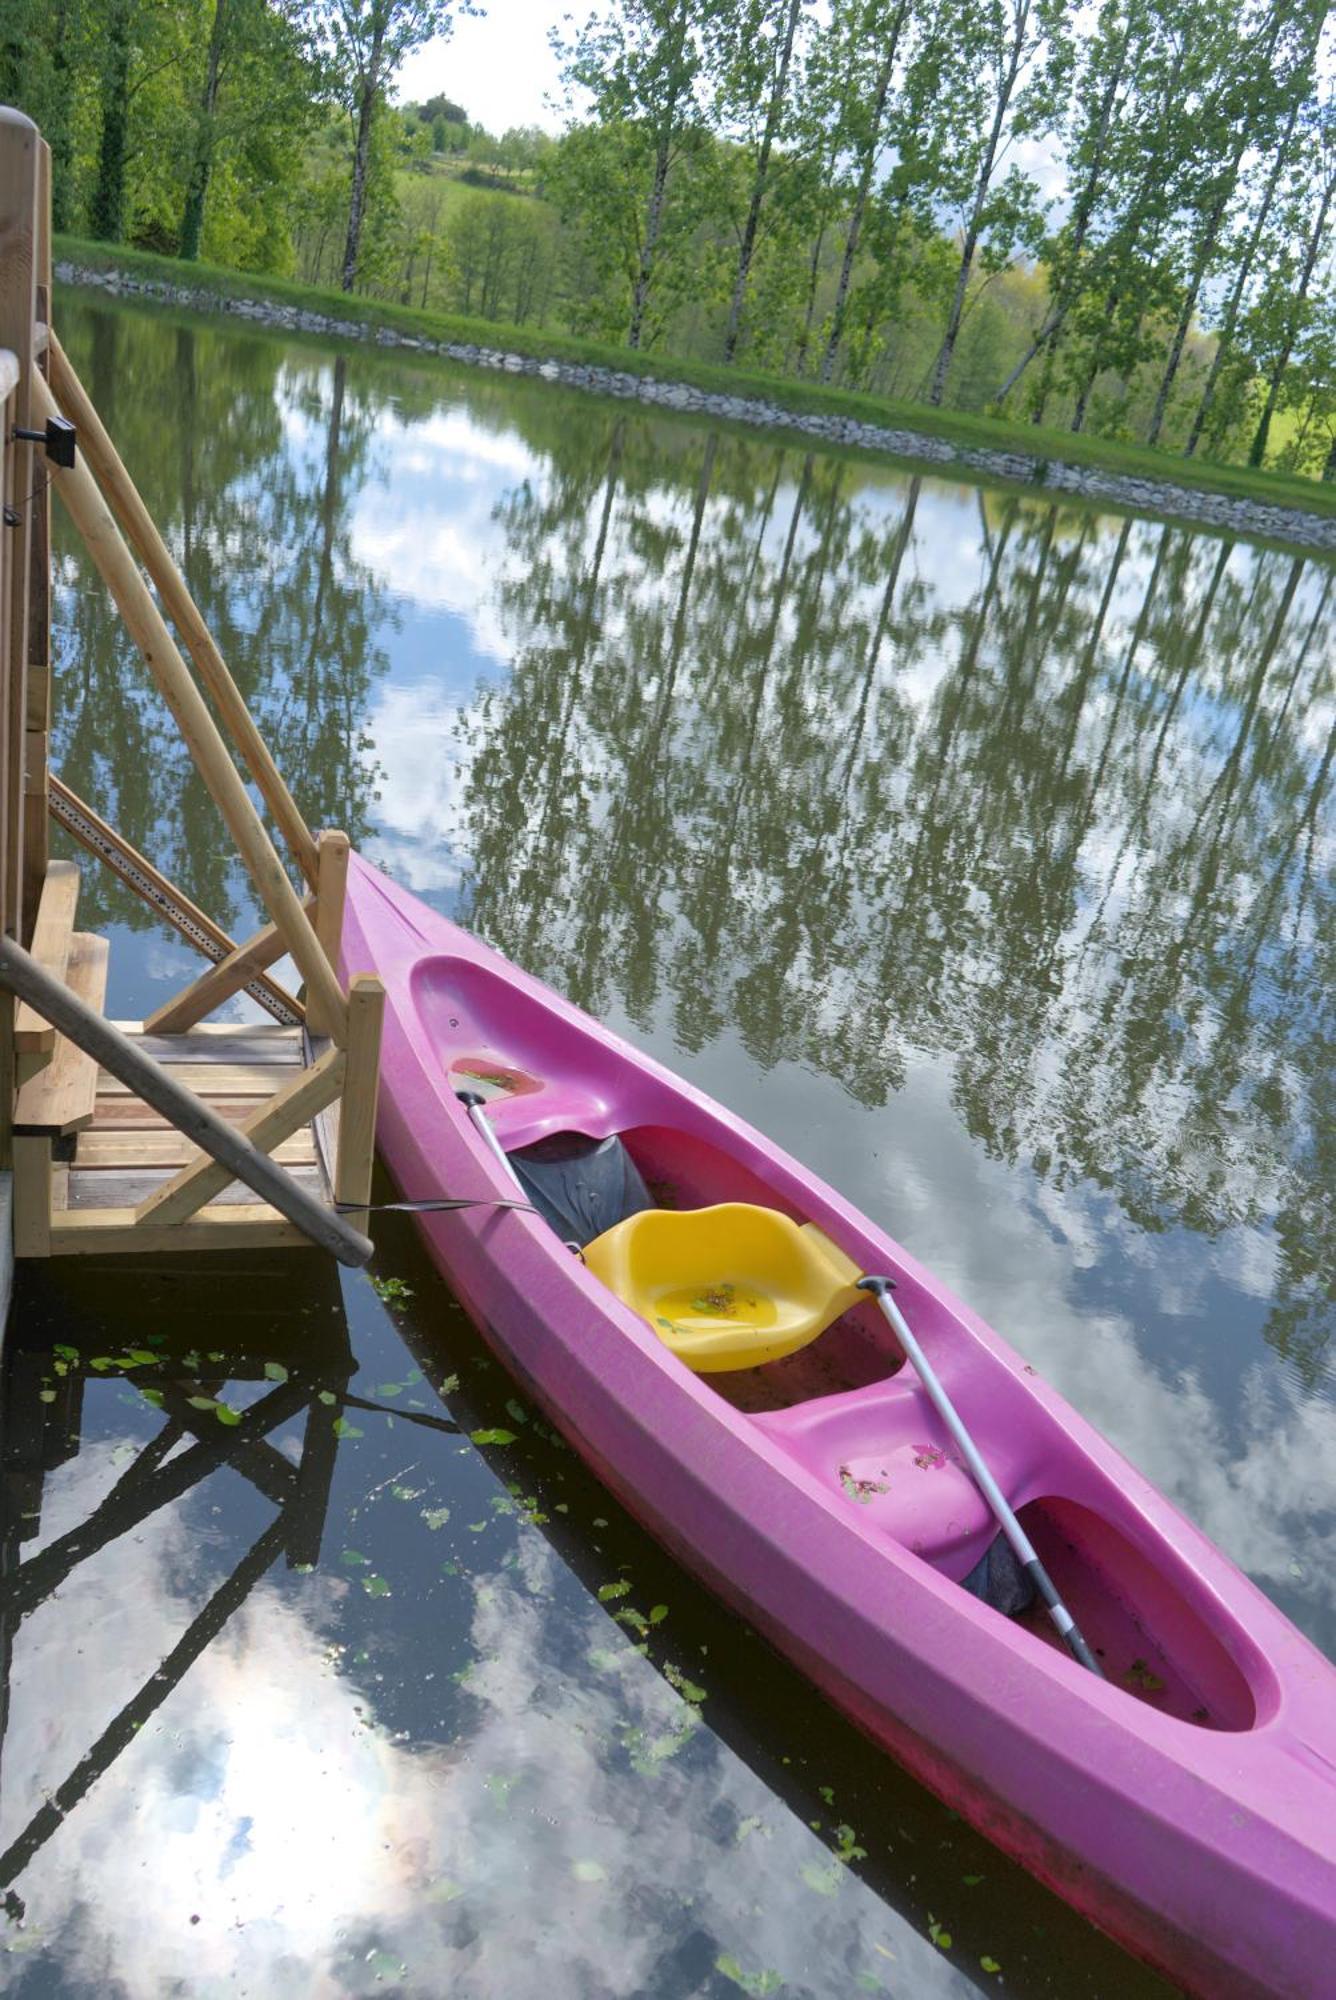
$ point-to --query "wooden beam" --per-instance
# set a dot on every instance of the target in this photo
(198, 1183)
(96, 1232)
(331, 891)
(20, 179)
(142, 533)
(361, 1091)
(20, 972)
(90, 514)
(219, 983)
(62, 1097)
(198, 929)
(51, 940)
(36, 837)
(32, 1196)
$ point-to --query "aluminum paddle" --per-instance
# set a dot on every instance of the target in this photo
(881, 1288)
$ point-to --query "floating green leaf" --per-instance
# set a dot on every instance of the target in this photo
(491, 1437)
(375, 1586)
(327, 1397)
(225, 1413)
(343, 1429)
(607, 1591)
(202, 1402)
(759, 1983)
(274, 1371)
(687, 1689)
(989, 1964)
(658, 1612)
(435, 1517)
(942, 1939)
(46, 1395)
(354, 1558)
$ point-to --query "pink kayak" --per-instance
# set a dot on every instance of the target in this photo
(708, 1353)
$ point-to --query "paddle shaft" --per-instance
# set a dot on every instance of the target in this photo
(482, 1125)
(983, 1478)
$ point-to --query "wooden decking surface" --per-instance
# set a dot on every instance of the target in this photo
(130, 1149)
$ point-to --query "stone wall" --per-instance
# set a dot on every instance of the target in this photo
(1222, 512)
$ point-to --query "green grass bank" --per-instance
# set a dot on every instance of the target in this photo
(974, 440)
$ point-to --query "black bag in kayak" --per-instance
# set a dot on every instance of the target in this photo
(581, 1186)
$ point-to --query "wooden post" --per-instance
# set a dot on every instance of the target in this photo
(272, 1122)
(32, 1196)
(90, 514)
(142, 533)
(361, 1091)
(20, 149)
(36, 831)
(117, 1053)
(331, 890)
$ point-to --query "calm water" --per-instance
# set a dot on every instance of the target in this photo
(978, 851)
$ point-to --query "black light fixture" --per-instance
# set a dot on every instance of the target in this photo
(58, 440)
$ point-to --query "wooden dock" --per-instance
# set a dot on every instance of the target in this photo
(176, 1134)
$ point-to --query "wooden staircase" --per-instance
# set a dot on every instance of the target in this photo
(174, 1134)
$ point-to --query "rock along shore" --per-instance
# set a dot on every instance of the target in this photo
(1225, 513)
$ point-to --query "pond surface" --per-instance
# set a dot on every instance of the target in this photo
(977, 850)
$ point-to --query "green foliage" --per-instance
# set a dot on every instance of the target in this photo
(1120, 220)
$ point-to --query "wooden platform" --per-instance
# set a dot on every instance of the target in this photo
(129, 1149)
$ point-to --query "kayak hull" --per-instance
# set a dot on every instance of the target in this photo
(837, 1523)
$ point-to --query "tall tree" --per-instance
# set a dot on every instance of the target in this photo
(1011, 56)
(641, 65)
(867, 41)
(753, 49)
(1292, 282)
(366, 41)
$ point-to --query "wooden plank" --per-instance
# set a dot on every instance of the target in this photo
(240, 1045)
(295, 1105)
(225, 1079)
(32, 1197)
(145, 623)
(219, 983)
(356, 1157)
(131, 1114)
(51, 938)
(113, 1231)
(63, 1096)
(165, 1147)
(128, 1187)
(163, 897)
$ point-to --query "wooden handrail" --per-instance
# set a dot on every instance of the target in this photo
(20, 974)
(91, 515)
(142, 533)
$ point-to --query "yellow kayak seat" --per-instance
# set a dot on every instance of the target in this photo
(726, 1287)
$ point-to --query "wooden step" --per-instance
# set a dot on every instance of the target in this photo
(52, 936)
(62, 1096)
